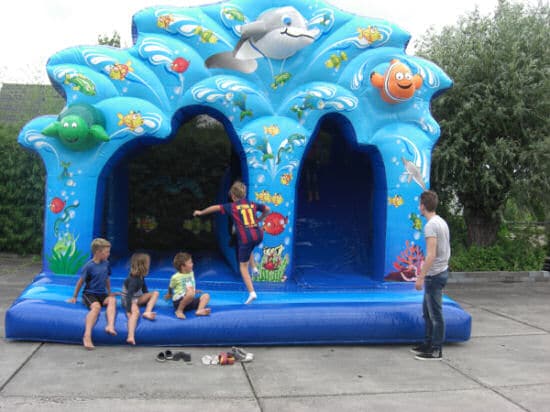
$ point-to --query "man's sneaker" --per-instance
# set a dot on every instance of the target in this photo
(431, 354)
(423, 348)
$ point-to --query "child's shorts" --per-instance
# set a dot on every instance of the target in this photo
(135, 299)
(90, 298)
(245, 250)
(123, 302)
(193, 305)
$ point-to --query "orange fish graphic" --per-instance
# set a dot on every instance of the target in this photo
(397, 84)
(120, 71)
(165, 20)
(286, 178)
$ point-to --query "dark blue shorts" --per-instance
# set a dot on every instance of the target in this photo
(193, 305)
(245, 250)
(90, 298)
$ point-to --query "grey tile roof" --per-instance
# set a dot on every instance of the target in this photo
(20, 103)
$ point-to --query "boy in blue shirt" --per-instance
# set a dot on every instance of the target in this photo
(249, 233)
(97, 291)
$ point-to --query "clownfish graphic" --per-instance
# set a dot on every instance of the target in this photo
(397, 84)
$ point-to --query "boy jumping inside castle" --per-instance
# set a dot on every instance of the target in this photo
(249, 234)
(97, 291)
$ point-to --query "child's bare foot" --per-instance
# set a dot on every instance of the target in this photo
(180, 315)
(251, 297)
(110, 330)
(149, 315)
(131, 341)
(87, 342)
(203, 312)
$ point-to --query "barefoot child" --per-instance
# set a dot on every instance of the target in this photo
(135, 294)
(97, 291)
(243, 214)
(182, 288)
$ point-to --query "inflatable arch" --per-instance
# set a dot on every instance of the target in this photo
(336, 270)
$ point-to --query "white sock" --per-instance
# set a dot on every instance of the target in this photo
(251, 297)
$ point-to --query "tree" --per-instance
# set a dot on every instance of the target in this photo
(495, 120)
(113, 41)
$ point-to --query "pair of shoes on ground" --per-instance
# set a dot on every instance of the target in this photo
(228, 358)
(427, 352)
(168, 355)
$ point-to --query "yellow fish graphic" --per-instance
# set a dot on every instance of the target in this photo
(395, 201)
(273, 130)
(370, 34)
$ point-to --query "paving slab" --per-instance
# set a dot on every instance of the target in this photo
(70, 371)
(12, 357)
(475, 400)
(309, 371)
(523, 302)
(488, 323)
(24, 404)
(531, 397)
(503, 361)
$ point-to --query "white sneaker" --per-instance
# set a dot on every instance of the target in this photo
(251, 296)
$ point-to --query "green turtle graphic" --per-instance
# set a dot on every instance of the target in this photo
(79, 127)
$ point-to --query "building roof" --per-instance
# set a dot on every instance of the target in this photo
(20, 103)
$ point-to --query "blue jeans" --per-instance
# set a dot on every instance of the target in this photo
(432, 308)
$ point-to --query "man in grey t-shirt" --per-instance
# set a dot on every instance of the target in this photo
(433, 278)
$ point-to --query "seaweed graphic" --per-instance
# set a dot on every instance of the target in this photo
(66, 259)
(262, 154)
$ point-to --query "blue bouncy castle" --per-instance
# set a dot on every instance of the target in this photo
(344, 236)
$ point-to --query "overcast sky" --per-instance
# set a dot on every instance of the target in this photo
(32, 31)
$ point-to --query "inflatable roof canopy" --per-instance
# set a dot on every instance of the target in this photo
(274, 75)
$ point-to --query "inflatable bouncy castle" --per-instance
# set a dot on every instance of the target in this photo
(344, 237)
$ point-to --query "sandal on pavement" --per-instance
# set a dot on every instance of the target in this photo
(161, 357)
(241, 355)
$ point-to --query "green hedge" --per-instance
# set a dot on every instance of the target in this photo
(22, 177)
(517, 251)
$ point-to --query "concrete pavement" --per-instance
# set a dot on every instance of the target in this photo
(504, 367)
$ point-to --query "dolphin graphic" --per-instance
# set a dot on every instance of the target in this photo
(414, 173)
(276, 34)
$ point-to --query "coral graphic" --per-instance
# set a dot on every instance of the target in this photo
(273, 265)
(408, 264)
